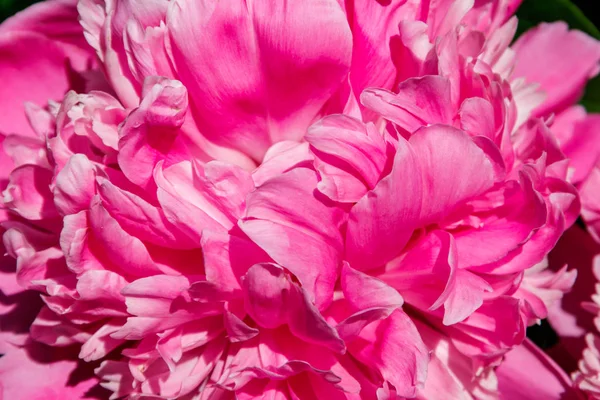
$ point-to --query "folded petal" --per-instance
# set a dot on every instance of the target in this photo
(226, 259)
(150, 133)
(272, 299)
(281, 217)
(363, 291)
(574, 57)
(272, 82)
(212, 198)
(454, 169)
(374, 27)
(28, 192)
(419, 101)
(75, 185)
(394, 347)
(142, 219)
(382, 222)
(350, 156)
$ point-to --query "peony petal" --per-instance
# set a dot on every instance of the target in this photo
(272, 300)
(280, 218)
(363, 291)
(419, 101)
(36, 69)
(381, 223)
(275, 81)
(394, 347)
(28, 192)
(545, 379)
(141, 219)
(574, 57)
(64, 376)
(349, 155)
(455, 170)
(150, 133)
(75, 185)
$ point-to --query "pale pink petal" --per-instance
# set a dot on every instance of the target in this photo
(508, 227)
(495, 327)
(120, 248)
(349, 155)
(100, 343)
(50, 329)
(280, 219)
(212, 198)
(428, 277)
(544, 379)
(280, 158)
(28, 192)
(576, 132)
(189, 372)
(75, 185)
(574, 57)
(142, 219)
(150, 133)
(25, 150)
(226, 259)
(147, 51)
(153, 299)
(363, 291)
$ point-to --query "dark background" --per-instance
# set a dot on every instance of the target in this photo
(591, 9)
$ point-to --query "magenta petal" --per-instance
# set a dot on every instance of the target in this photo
(454, 168)
(363, 291)
(374, 26)
(395, 348)
(272, 300)
(419, 102)
(35, 66)
(274, 81)
(381, 223)
(37, 372)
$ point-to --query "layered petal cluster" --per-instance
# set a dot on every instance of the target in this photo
(293, 200)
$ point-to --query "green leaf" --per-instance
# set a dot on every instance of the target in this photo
(591, 98)
(532, 12)
(10, 7)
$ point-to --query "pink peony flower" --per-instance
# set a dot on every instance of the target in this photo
(300, 200)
